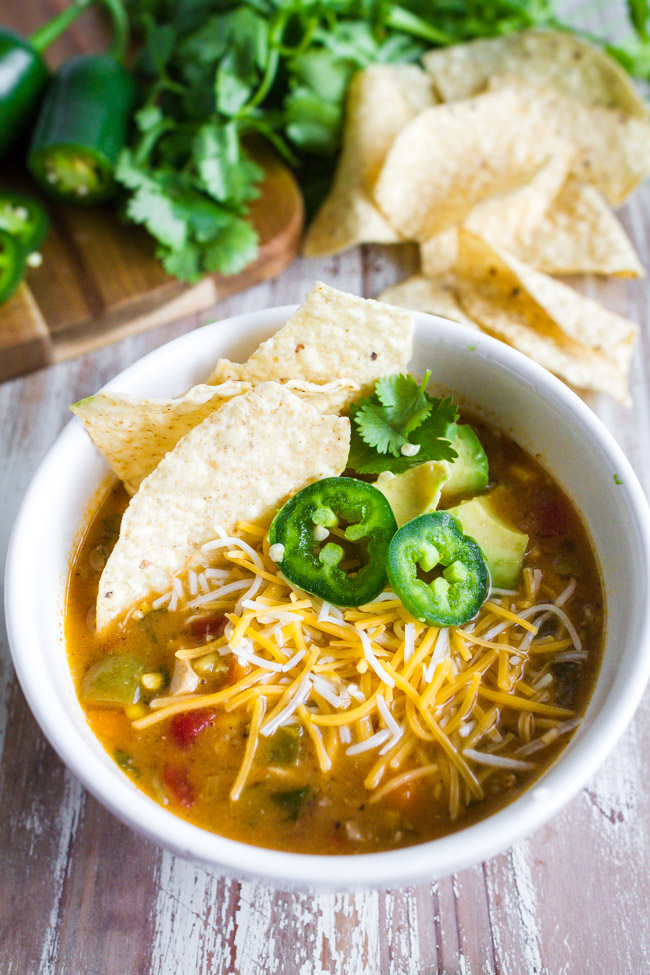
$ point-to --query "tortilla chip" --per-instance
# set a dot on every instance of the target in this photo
(241, 463)
(455, 155)
(612, 150)
(380, 101)
(331, 397)
(547, 57)
(134, 435)
(567, 333)
(577, 233)
(507, 218)
(580, 235)
(438, 254)
(436, 296)
(331, 336)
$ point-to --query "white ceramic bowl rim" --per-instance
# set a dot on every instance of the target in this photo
(435, 858)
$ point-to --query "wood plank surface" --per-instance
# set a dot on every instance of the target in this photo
(80, 894)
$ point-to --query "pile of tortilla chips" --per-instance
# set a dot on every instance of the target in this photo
(236, 448)
(502, 160)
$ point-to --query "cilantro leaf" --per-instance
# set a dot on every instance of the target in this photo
(232, 249)
(407, 415)
(397, 407)
(184, 263)
(225, 170)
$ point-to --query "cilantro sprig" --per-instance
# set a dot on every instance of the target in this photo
(400, 412)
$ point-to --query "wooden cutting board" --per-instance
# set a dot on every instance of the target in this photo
(99, 280)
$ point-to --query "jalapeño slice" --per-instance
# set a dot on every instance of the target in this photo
(456, 578)
(335, 536)
(12, 264)
(24, 218)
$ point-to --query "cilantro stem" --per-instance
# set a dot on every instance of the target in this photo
(403, 20)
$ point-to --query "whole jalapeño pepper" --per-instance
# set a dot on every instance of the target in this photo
(331, 539)
(83, 121)
(24, 74)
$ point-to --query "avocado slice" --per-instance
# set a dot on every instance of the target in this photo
(503, 546)
(414, 492)
(469, 472)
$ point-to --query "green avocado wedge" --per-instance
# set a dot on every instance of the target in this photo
(503, 545)
(469, 472)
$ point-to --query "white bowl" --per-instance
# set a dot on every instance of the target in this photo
(509, 390)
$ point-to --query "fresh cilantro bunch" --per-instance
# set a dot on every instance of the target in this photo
(400, 412)
(214, 75)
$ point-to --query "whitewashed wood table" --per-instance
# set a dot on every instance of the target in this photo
(81, 893)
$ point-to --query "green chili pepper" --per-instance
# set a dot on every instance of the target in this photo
(290, 801)
(113, 681)
(24, 218)
(24, 74)
(12, 264)
(458, 580)
(82, 125)
(344, 564)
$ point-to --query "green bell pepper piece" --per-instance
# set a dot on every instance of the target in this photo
(290, 801)
(113, 681)
(316, 567)
(453, 594)
(285, 745)
(12, 264)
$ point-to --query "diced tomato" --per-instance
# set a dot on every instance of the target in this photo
(184, 728)
(550, 515)
(209, 628)
(177, 780)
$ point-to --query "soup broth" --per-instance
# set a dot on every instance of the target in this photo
(482, 709)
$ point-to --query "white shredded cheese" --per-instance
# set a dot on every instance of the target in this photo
(379, 738)
(409, 641)
(301, 694)
(497, 761)
(389, 720)
(297, 657)
(526, 614)
(216, 594)
(246, 655)
(369, 654)
(566, 594)
(323, 613)
(194, 582)
(336, 694)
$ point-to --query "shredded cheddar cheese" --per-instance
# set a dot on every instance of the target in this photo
(372, 679)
